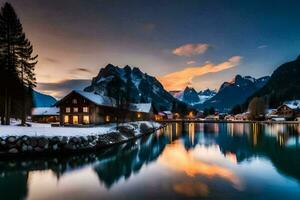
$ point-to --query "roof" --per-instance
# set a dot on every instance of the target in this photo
(140, 107)
(102, 100)
(45, 111)
(167, 112)
(95, 98)
(295, 104)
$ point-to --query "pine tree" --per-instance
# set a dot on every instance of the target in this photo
(17, 76)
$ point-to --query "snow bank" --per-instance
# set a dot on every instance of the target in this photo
(46, 130)
(39, 139)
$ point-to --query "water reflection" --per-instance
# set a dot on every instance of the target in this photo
(183, 160)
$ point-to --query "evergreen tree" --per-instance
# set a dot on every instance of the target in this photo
(17, 76)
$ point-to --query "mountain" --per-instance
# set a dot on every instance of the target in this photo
(206, 95)
(42, 100)
(140, 87)
(191, 97)
(283, 85)
(234, 92)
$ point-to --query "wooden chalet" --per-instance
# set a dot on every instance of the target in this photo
(86, 108)
(45, 114)
(289, 110)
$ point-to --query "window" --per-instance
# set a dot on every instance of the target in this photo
(139, 115)
(86, 119)
(68, 109)
(85, 109)
(107, 118)
(66, 119)
(75, 109)
(74, 101)
(75, 119)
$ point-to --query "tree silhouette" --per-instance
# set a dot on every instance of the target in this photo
(17, 64)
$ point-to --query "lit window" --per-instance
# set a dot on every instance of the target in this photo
(86, 119)
(75, 119)
(139, 115)
(68, 109)
(66, 119)
(85, 109)
(107, 118)
(74, 101)
(75, 109)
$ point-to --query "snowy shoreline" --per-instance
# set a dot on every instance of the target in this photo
(15, 140)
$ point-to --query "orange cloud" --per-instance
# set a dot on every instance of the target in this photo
(189, 50)
(180, 79)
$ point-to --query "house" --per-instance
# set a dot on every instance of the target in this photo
(212, 117)
(45, 114)
(140, 111)
(164, 115)
(86, 108)
(242, 116)
(229, 118)
(222, 116)
(289, 110)
(271, 114)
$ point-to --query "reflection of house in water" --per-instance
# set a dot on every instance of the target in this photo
(129, 159)
(238, 128)
(13, 185)
(211, 128)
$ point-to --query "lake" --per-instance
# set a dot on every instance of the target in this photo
(191, 161)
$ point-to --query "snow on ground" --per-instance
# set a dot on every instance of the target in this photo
(48, 131)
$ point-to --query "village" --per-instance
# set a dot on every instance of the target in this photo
(85, 109)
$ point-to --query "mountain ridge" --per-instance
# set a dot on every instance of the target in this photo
(284, 85)
(234, 92)
(140, 87)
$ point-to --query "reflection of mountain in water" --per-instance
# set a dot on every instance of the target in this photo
(129, 158)
(279, 143)
(245, 146)
(247, 141)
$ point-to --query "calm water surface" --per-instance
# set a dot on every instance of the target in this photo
(214, 161)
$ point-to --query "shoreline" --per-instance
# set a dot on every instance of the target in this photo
(42, 146)
(225, 121)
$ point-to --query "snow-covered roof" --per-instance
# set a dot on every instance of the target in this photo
(45, 111)
(140, 107)
(167, 112)
(97, 98)
(294, 104)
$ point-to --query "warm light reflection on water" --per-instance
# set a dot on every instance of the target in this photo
(216, 161)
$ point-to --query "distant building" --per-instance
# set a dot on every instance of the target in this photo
(212, 117)
(242, 116)
(45, 114)
(164, 115)
(289, 110)
(229, 118)
(271, 114)
(86, 108)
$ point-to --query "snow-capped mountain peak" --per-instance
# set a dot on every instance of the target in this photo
(140, 87)
(191, 97)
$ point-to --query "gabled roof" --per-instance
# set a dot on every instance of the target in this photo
(93, 97)
(97, 98)
(45, 111)
(295, 104)
(140, 107)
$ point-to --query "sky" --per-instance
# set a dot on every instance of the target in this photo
(181, 42)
